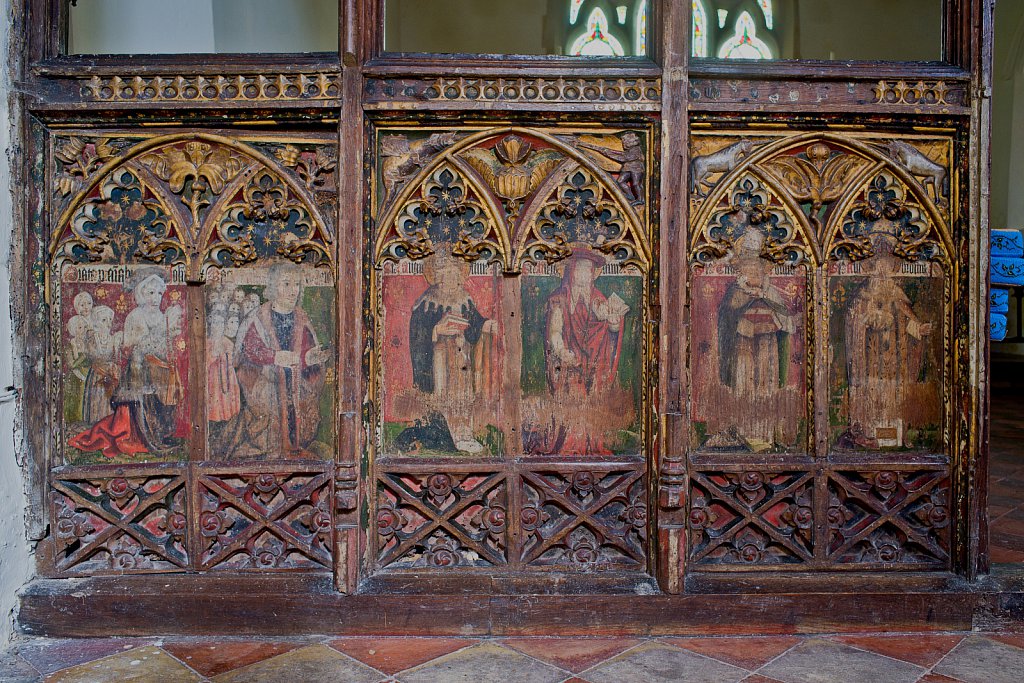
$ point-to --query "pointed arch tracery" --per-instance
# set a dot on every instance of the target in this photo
(537, 194)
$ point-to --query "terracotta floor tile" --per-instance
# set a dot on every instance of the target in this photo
(392, 655)
(758, 678)
(141, 665)
(826, 661)
(49, 655)
(924, 650)
(658, 662)
(487, 662)
(981, 660)
(938, 678)
(572, 654)
(212, 657)
(315, 663)
(750, 653)
(1015, 639)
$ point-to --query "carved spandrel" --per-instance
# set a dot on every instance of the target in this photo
(265, 521)
(751, 518)
(118, 525)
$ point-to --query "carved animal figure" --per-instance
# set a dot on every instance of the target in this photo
(915, 161)
(632, 165)
(402, 158)
(722, 161)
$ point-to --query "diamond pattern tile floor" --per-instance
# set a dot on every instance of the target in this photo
(899, 658)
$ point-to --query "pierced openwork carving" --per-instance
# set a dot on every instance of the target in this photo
(442, 520)
(120, 524)
(921, 93)
(447, 210)
(485, 192)
(752, 518)
(581, 212)
(591, 90)
(266, 520)
(230, 88)
(889, 517)
(172, 197)
(123, 223)
(584, 519)
(269, 221)
(885, 207)
(752, 209)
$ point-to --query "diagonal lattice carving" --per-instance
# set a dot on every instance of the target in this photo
(584, 519)
(889, 517)
(266, 521)
(120, 524)
(751, 518)
(442, 520)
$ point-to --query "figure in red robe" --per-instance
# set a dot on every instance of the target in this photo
(582, 349)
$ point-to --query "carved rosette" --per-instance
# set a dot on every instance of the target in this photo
(751, 210)
(120, 524)
(265, 521)
(886, 210)
(442, 520)
(751, 518)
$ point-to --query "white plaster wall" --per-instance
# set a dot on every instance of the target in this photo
(15, 561)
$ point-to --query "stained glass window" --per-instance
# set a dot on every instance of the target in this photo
(699, 38)
(574, 11)
(641, 29)
(745, 44)
(766, 7)
(597, 41)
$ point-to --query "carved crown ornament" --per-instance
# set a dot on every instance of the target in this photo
(195, 200)
(813, 184)
(313, 86)
(512, 195)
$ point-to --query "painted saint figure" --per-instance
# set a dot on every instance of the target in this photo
(223, 397)
(881, 331)
(148, 396)
(582, 348)
(584, 328)
(280, 370)
(103, 350)
(754, 329)
(451, 345)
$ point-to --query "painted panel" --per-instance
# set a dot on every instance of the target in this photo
(270, 375)
(581, 349)
(749, 338)
(124, 331)
(885, 340)
(443, 356)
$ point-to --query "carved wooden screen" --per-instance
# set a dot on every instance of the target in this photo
(190, 279)
(384, 314)
(821, 323)
(512, 268)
